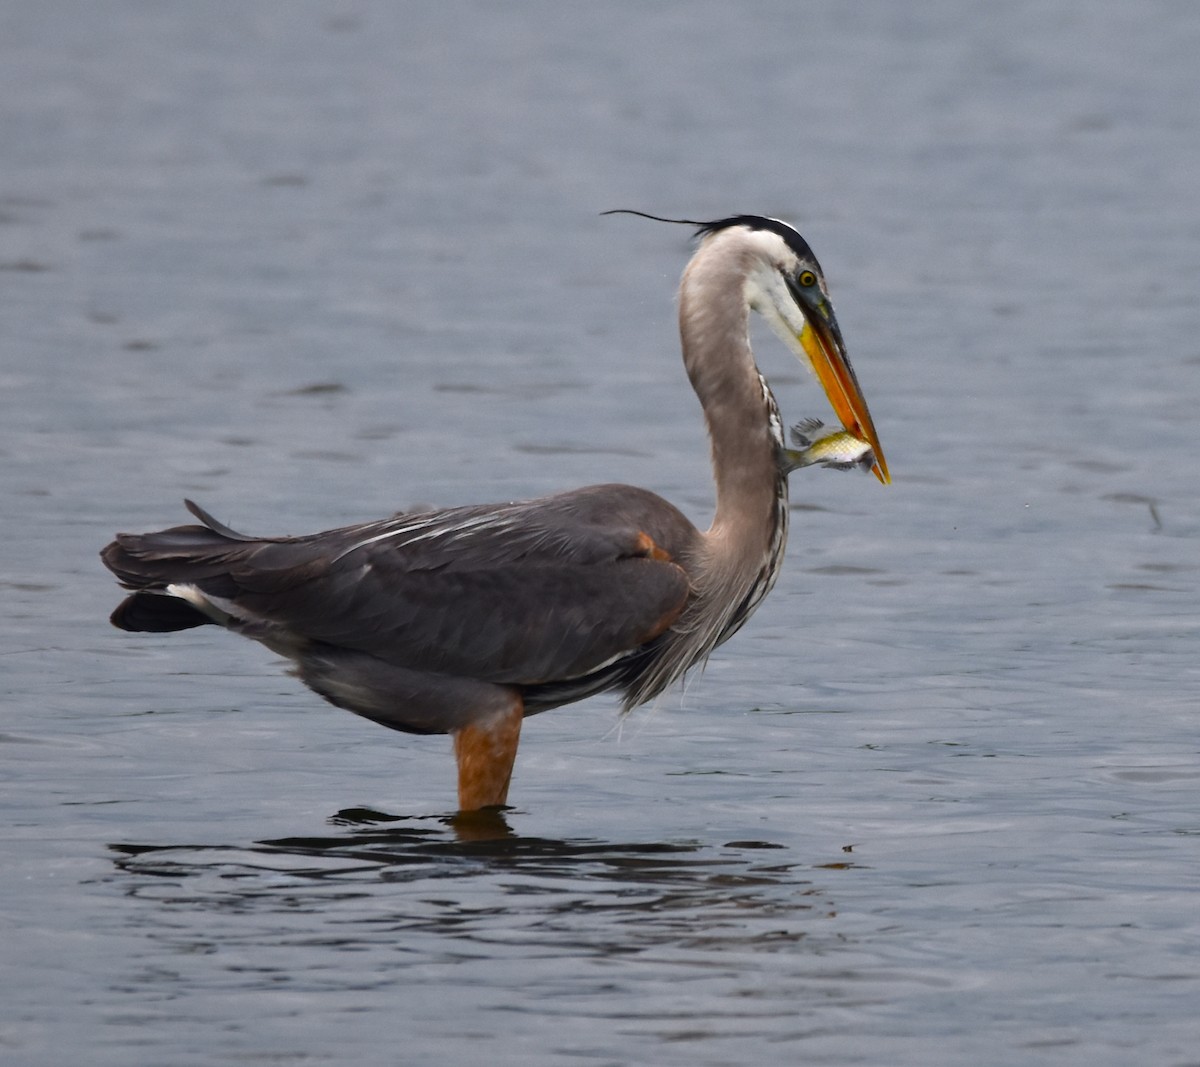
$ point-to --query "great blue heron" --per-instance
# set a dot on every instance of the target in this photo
(467, 619)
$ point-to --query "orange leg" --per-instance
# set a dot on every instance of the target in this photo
(485, 752)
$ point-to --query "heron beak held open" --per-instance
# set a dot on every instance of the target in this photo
(821, 339)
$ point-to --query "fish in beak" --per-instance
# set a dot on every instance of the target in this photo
(821, 339)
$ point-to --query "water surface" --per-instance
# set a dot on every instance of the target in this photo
(936, 803)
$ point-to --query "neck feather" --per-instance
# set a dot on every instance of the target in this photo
(743, 420)
(744, 545)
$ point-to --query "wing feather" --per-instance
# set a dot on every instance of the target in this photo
(522, 593)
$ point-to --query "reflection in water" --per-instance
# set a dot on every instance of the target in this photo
(483, 882)
(389, 925)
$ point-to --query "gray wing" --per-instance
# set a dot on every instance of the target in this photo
(518, 594)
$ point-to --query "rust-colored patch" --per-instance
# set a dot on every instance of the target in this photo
(648, 547)
(485, 752)
(666, 620)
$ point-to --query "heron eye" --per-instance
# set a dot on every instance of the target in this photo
(807, 278)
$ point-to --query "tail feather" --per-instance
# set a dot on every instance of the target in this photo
(180, 554)
(214, 525)
(156, 613)
(199, 556)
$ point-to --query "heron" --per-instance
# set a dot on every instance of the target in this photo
(465, 620)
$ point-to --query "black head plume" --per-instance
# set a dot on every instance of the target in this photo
(754, 222)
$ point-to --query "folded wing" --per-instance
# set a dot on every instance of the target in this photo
(516, 594)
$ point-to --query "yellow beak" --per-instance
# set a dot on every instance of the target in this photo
(823, 344)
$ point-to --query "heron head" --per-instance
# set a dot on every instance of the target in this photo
(787, 287)
(785, 284)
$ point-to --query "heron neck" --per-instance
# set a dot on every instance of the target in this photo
(743, 421)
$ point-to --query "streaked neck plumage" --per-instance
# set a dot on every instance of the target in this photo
(744, 545)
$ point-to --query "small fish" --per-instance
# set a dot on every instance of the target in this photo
(838, 449)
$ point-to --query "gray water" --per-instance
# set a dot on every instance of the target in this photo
(939, 802)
